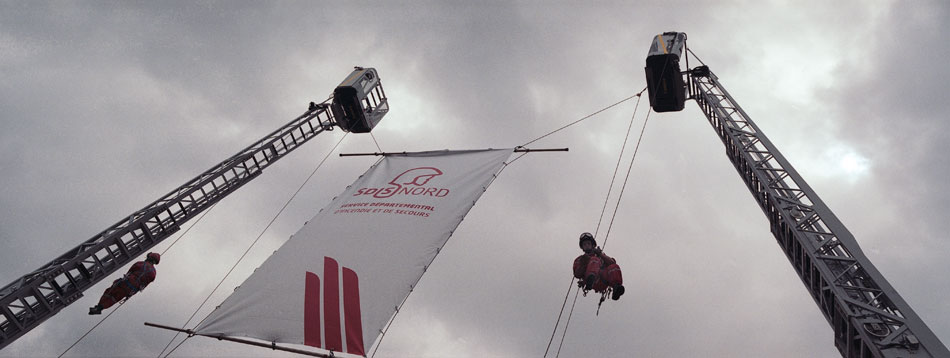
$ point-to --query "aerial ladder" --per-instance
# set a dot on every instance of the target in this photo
(868, 316)
(357, 105)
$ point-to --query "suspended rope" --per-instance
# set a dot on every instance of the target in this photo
(189, 228)
(399, 307)
(568, 323)
(617, 167)
(254, 243)
(694, 56)
(93, 328)
(561, 313)
(580, 120)
(383, 332)
(374, 141)
(507, 164)
(123, 301)
(173, 244)
(177, 345)
(599, 220)
(624, 186)
(666, 65)
(603, 295)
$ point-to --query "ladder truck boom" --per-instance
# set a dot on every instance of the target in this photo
(868, 316)
(358, 104)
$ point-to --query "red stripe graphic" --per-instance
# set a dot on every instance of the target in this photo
(331, 304)
(333, 339)
(311, 311)
(351, 311)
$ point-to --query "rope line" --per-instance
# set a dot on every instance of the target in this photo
(604, 245)
(255, 242)
(397, 311)
(509, 163)
(599, 220)
(399, 307)
(272, 222)
(606, 236)
(382, 334)
(189, 228)
(623, 148)
(123, 302)
(374, 141)
(666, 65)
(624, 186)
(694, 56)
(91, 329)
(176, 346)
(568, 323)
(566, 295)
(173, 244)
(579, 120)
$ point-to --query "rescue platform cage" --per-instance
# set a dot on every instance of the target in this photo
(360, 102)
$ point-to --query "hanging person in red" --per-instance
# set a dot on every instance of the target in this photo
(140, 275)
(597, 271)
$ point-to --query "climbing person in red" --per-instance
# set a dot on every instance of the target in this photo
(595, 270)
(140, 275)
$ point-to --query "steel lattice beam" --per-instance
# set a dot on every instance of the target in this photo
(869, 318)
(37, 296)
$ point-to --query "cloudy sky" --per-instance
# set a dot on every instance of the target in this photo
(105, 106)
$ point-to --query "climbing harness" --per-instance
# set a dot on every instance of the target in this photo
(603, 294)
(603, 297)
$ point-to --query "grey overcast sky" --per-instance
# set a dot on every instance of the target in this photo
(105, 106)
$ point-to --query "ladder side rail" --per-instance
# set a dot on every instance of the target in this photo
(204, 178)
(867, 291)
(867, 314)
(30, 300)
(719, 118)
(247, 164)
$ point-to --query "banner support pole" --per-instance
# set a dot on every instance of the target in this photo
(272, 345)
(517, 150)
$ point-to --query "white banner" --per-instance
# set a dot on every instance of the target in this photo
(338, 281)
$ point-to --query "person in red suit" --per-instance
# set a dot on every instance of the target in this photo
(597, 271)
(140, 275)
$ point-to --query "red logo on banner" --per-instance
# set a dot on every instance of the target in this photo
(331, 309)
(420, 176)
(410, 182)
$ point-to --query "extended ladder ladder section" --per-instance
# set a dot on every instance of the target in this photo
(37, 296)
(869, 318)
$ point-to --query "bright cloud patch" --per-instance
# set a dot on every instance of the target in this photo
(843, 162)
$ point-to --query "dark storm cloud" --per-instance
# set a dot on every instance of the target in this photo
(107, 106)
(894, 107)
(898, 108)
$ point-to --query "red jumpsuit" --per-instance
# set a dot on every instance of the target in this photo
(604, 268)
(140, 275)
